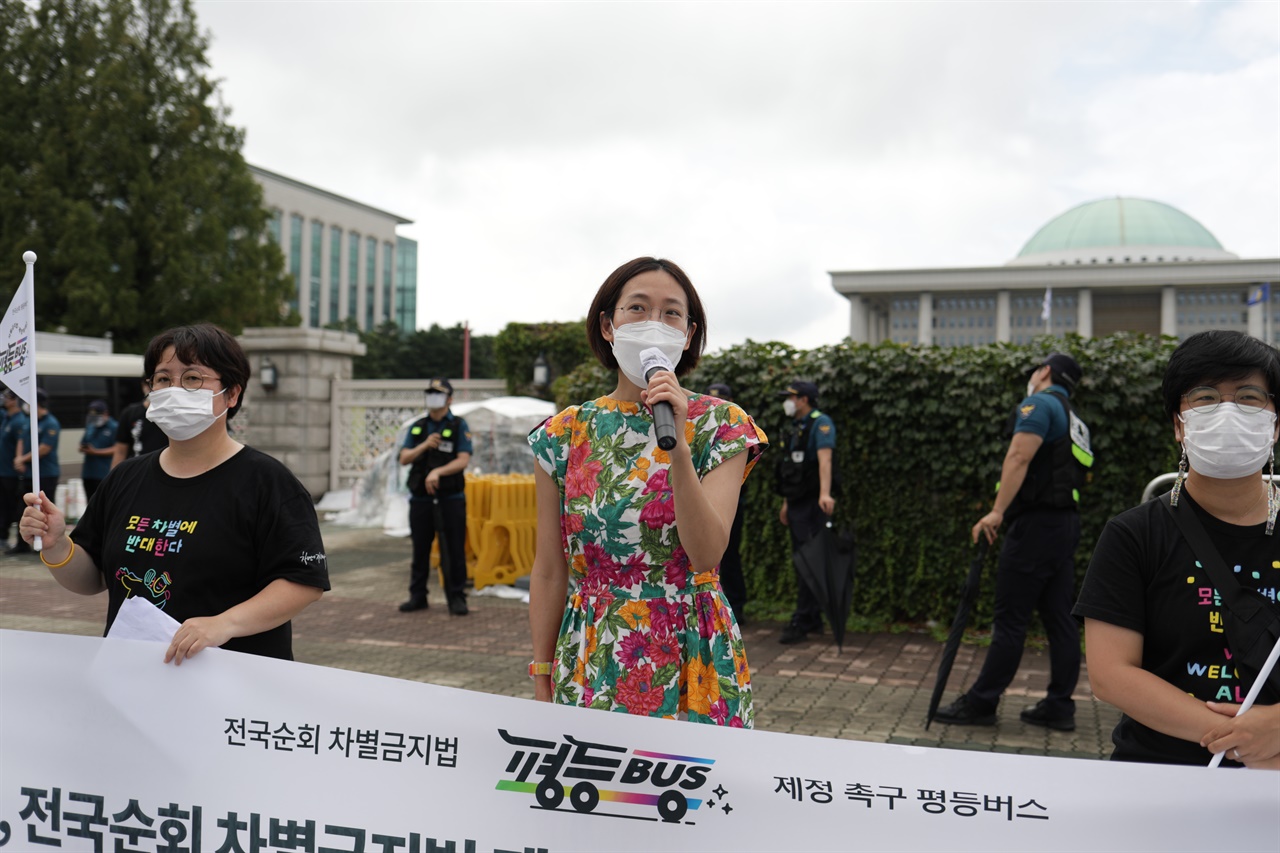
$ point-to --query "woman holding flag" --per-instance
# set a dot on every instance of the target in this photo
(220, 536)
(632, 534)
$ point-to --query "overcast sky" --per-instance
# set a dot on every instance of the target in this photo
(537, 146)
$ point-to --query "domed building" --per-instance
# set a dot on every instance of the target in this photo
(1117, 264)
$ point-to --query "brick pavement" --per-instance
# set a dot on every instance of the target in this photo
(876, 690)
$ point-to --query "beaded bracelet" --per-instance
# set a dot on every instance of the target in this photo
(70, 554)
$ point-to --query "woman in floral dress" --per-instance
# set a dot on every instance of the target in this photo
(626, 609)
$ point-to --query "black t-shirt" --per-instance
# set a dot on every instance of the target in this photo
(140, 434)
(199, 546)
(1144, 576)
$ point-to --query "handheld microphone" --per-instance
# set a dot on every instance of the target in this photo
(652, 360)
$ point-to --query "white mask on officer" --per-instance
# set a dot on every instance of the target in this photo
(789, 406)
(437, 400)
(631, 339)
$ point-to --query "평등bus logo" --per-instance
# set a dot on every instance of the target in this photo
(588, 774)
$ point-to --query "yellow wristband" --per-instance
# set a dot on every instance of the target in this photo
(70, 554)
(537, 668)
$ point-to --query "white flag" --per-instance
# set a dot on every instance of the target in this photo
(1046, 308)
(18, 361)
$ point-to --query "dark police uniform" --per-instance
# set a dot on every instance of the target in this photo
(452, 499)
(798, 482)
(1037, 564)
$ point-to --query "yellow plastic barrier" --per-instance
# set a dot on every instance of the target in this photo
(506, 529)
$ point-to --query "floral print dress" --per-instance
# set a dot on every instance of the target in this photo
(644, 632)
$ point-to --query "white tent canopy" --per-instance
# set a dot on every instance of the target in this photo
(499, 430)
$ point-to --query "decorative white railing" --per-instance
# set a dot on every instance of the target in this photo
(367, 412)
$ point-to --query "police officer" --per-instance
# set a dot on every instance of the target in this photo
(1043, 470)
(49, 430)
(13, 426)
(806, 479)
(97, 446)
(437, 449)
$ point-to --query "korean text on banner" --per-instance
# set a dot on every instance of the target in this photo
(18, 370)
(102, 742)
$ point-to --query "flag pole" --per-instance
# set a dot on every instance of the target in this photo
(29, 258)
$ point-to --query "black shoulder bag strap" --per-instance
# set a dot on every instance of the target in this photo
(1254, 625)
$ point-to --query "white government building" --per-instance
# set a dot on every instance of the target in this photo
(1119, 264)
(344, 255)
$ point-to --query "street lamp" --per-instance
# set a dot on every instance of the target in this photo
(541, 371)
(268, 375)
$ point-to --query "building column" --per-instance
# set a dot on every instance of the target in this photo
(1256, 316)
(858, 318)
(1169, 310)
(1004, 330)
(924, 334)
(1084, 312)
(293, 420)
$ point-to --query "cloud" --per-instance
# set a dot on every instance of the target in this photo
(760, 145)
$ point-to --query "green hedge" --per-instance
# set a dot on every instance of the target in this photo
(919, 446)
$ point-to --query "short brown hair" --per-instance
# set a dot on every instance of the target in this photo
(204, 344)
(606, 302)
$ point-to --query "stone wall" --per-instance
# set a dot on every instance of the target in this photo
(292, 422)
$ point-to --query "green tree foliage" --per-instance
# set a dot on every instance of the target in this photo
(517, 347)
(121, 172)
(426, 353)
(920, 439)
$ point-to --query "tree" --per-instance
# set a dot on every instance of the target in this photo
(123, 174)
(563, 346)
(392, 354)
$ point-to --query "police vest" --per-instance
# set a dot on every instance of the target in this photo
(797, 470)
(1058, 469)
(444, 453)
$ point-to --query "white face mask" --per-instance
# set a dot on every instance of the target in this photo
(789, 406)
(631, 339)
(437, 401)
(182, 414)
(1226, 443)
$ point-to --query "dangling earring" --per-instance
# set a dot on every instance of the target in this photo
(1273, 496)
(1182, 475)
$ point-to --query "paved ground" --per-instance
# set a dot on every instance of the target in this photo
(876, 690)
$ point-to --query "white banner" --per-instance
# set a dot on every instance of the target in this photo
(106, 748)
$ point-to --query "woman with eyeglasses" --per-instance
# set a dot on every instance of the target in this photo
(1157, 623)
(220, 536)
(625, 604)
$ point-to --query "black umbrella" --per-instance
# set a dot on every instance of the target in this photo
(825, 563)
(437, 515)
(968, 595)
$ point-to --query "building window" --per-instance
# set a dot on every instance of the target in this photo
(353, 278)
(295, 256)
(275, 224)
(335, 272)
(406, 284)
(313, 292)
(370, 279)
(387, 265)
